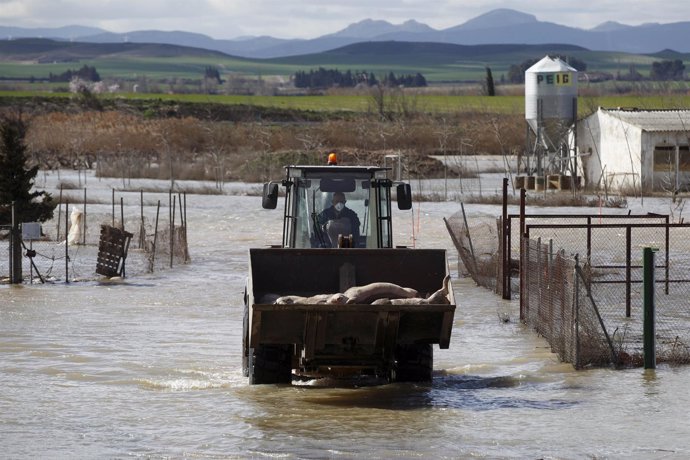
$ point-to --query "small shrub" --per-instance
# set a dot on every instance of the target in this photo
(68, 185)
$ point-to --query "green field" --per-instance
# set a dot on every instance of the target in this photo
(419, 103)
(193, 68)
(135, 67)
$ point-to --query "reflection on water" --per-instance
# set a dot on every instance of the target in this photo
(151, 367)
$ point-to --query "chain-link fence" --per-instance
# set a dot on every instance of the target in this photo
(602, 320)
(554, 227)
(477, 240)
(67, 247)
(555, 302)
(590, 311)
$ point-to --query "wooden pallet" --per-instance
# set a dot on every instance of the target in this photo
(112, 251)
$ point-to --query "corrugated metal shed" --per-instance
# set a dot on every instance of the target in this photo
(653, 120)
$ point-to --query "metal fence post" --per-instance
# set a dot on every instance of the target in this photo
(649, 307)
(628, 269)
(66, 242)
(589, 239)
(186, 242)
(16, 248)
(59, 215)
(155, 236)
(504, 254)
(524, 245)
(83, 238)
(172, 231)
(577, 312)
(550, 288)
(540, 282)
(668, 256)
(509, 241)
(469, 238)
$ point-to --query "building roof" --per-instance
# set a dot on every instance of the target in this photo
(549, 64)
(653, 120)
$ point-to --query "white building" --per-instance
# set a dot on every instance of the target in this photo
(636, 150)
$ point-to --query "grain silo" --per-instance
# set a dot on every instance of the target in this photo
(551, 112)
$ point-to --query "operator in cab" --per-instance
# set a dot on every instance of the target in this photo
(340, 220)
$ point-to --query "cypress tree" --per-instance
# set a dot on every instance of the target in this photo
(17, 180)
(490, 88)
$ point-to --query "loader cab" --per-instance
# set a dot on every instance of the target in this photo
(309, 190)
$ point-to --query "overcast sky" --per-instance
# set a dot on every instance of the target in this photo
(313, 18)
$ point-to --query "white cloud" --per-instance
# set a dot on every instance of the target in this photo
(12, 9)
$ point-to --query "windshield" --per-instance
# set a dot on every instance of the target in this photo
(327, 206)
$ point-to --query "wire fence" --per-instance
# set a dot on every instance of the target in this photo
(609, 290)
(580, 282)
(477, 240)
(67, 248)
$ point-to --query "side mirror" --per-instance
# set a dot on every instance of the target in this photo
(270, 197)
(404, 197)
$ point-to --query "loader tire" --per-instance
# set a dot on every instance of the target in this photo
(270, 364)
(414, 363)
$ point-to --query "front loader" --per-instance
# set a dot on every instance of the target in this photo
(346, 304)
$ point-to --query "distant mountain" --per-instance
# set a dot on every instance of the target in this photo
(501, 17)
(62, 33)
(609, 26)
(369, 28)
(500, 26)
(245, 47)
(47, 50)
(154, 36)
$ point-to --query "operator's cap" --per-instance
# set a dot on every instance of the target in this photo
(332, 158)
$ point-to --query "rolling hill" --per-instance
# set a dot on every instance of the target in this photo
(46, 50)
(426, 53)
(36, 58)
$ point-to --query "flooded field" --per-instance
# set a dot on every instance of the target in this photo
(151, 367)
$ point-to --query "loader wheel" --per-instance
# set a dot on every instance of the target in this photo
(414, 363)
(270, 364)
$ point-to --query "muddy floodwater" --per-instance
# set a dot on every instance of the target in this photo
(151, 367)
